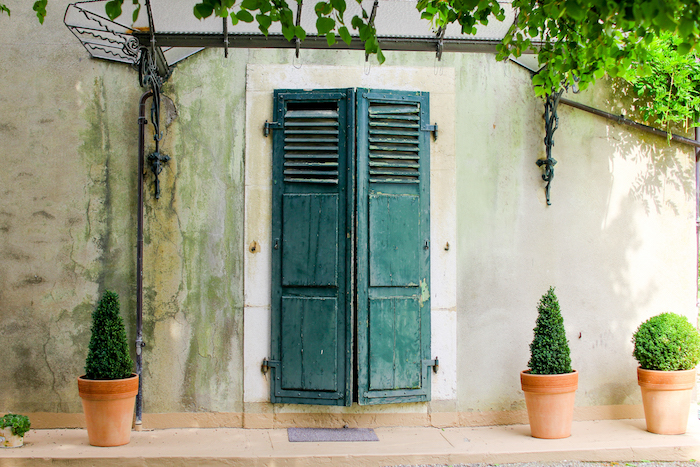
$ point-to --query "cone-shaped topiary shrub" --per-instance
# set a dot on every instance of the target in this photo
(549, 351)
(667, 342)
(108, 354)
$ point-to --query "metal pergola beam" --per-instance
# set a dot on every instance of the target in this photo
(258, 41)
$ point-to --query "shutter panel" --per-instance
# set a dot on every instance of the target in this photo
(312, 214)
(393, 258)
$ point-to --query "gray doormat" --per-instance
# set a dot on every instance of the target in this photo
(315, 435)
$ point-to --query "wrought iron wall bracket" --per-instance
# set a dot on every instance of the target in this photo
(157, 160)
(548, 174)
(149, 77)
(551, 123)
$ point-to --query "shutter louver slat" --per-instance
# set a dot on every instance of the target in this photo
(393, 143)
(311, 146)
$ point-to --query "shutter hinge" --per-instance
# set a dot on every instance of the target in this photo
(433, 129)
(271, 126)
(267, 364)
(434, 363)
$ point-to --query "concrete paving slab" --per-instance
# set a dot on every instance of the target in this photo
(605, 440)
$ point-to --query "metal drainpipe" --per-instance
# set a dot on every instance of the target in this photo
(139, 258)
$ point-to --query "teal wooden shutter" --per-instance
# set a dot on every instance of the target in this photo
(312, 212)
(393, 256)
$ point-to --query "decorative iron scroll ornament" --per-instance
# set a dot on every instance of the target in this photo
(551, 123)
(102, 37)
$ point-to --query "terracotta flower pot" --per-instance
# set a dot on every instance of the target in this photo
(666, 396)
(9, 440)
(109, 409)
(550, 403)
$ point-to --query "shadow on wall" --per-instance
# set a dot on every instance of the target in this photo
(649, 185)
(613, 243)
(664, 166)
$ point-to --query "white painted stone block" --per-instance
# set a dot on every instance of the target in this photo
(444, 346)
(256, 348)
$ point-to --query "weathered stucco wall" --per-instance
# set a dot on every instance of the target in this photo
(69, 151)
(65, 209)
(618, 241)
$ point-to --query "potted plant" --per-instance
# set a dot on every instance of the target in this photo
(667, 348)
(13, 427)
(108, 388)
(550, 384)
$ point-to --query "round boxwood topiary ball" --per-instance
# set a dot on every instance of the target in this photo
(667, 342)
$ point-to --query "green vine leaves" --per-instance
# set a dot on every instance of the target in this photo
(669, 91)
(39, 7)
(576, 41)
(581, 40)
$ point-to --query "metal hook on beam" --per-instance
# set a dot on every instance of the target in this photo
(225, 37)
(440, 42)
(371, 21)
(151, 27)
(298, 23)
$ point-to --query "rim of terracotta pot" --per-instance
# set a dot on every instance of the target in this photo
(666, 380)
(550, 384)
(106, 389)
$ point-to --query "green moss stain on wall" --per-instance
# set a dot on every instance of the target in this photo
(108, 233)
(65, 223)
(193, 253)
